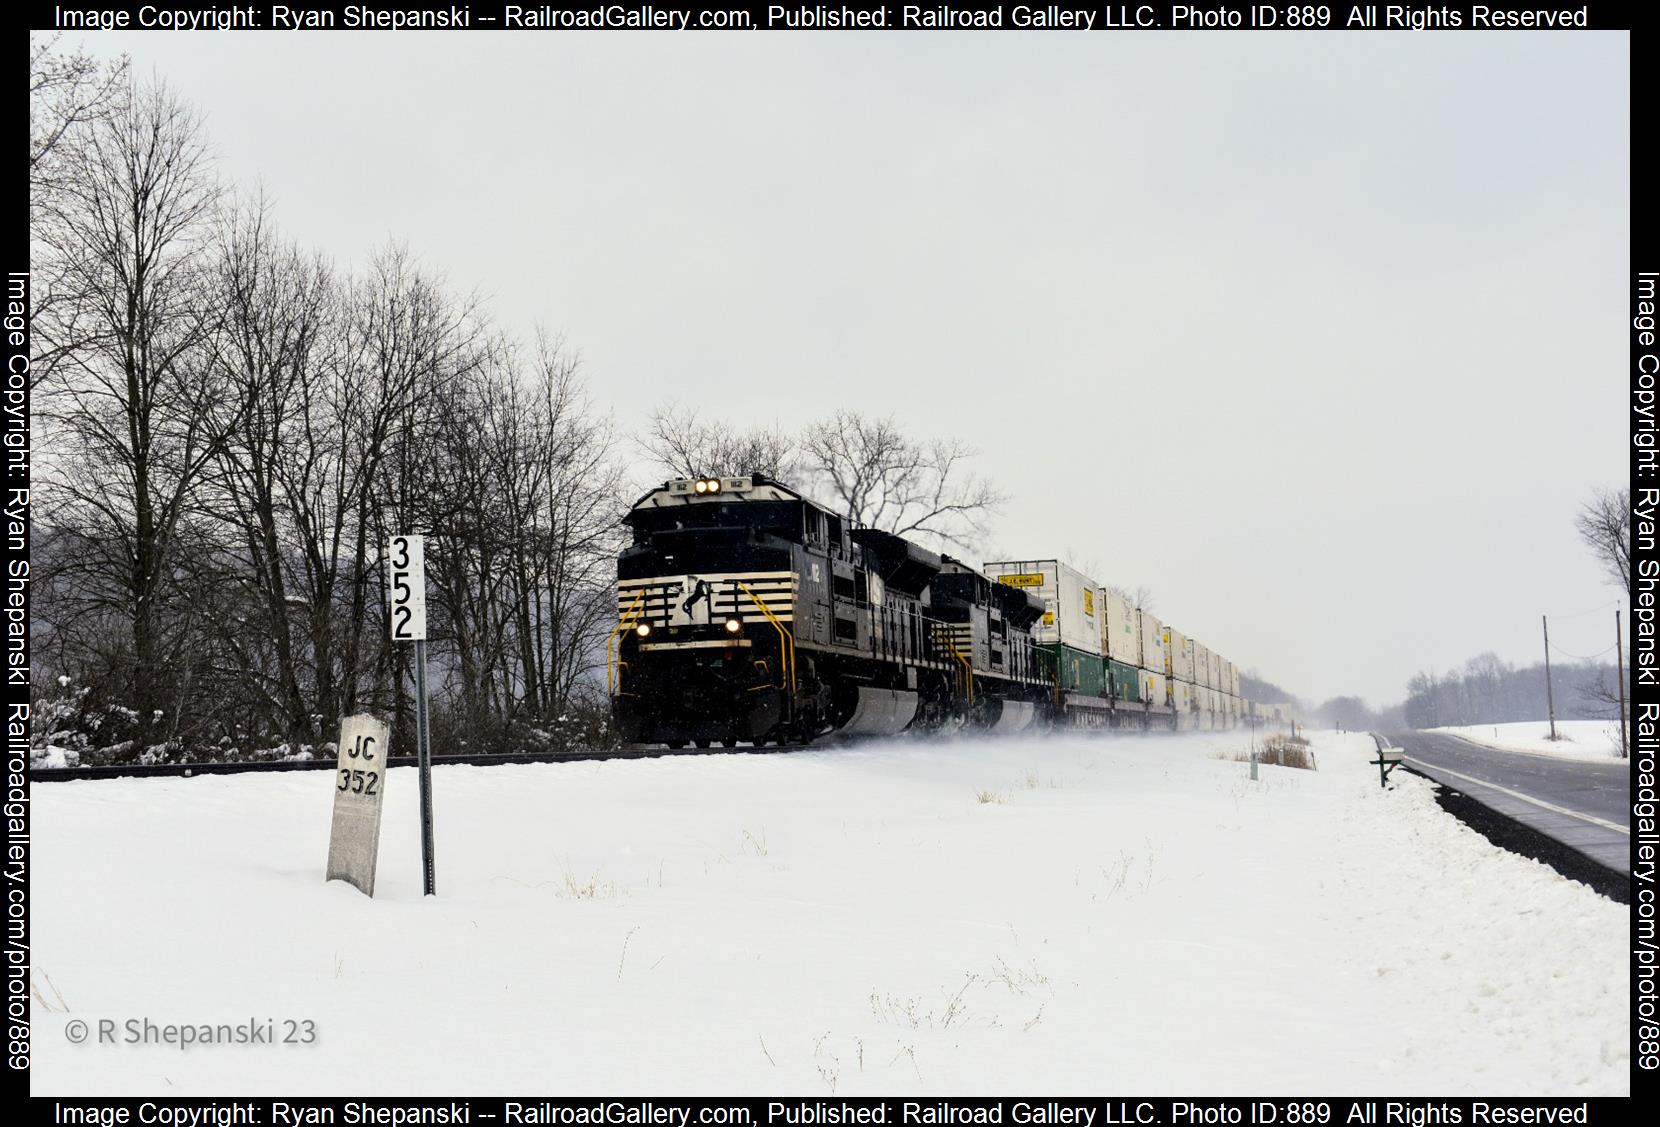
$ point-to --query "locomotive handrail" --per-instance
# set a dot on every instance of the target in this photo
(628, 619)
(785, 638)
(968, 669)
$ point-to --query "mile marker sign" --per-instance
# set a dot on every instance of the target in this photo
(359, 794)
(406, 593)
(407, 587)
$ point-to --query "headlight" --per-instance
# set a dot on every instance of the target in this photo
(702, 486)
(714, 485)
(643, 630)
(733, 625)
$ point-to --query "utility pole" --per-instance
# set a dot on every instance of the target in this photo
(1550, 695)
(1619, 671)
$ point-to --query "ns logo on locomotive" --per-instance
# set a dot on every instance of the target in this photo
(747, 613)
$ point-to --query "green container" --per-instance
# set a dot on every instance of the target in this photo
(1077, 671)
(1126, 683)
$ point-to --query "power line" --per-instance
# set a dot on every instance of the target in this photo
(1578, 657)
(1593, 610)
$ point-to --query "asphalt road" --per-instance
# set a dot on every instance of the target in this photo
(1584, 805)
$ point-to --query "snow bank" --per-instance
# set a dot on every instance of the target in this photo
(1062, 915)
(1580, 739)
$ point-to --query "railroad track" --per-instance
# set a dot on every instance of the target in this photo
(192, 770)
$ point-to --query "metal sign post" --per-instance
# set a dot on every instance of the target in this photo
(407, 591)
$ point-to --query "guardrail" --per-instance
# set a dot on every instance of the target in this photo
(1388, 758)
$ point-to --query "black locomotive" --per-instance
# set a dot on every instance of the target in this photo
(747, 613)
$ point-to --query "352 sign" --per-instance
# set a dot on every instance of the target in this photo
(363, 774)
(406, 588)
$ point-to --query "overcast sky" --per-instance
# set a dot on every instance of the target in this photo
(1320, 337)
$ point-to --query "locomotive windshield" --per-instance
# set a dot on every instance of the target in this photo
(781, 518)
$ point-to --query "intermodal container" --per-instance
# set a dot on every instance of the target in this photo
(1126, 686)
(1071, 610)
(1118, 628)
(1178, 654)
(1078, 671)
(1152, 647)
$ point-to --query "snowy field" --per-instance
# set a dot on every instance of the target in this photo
(1580, 739)
(1060, 915)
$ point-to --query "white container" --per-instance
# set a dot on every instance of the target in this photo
(1071, 609)
(1119, 640)
(1152, 644)
(1178, 654)
(1154, 687)
(1201, 664)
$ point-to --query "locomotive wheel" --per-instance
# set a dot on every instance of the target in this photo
(675, 745)
(702, 743)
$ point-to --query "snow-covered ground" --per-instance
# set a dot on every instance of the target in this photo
(1578, 739)
(1069, 915)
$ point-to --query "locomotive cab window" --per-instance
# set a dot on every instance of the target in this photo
(780, 518)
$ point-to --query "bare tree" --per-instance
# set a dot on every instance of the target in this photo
(525, 538)
(136, 393)
(1601, 696)
(278, 304)
(686, 445)
(66, 89)
(409, 342)
(230, 430)
(576, 531)
(1604, 524)
(1140, 595)
(887, 480)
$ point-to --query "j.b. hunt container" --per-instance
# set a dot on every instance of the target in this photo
(1070, 629)
(1072, 609)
